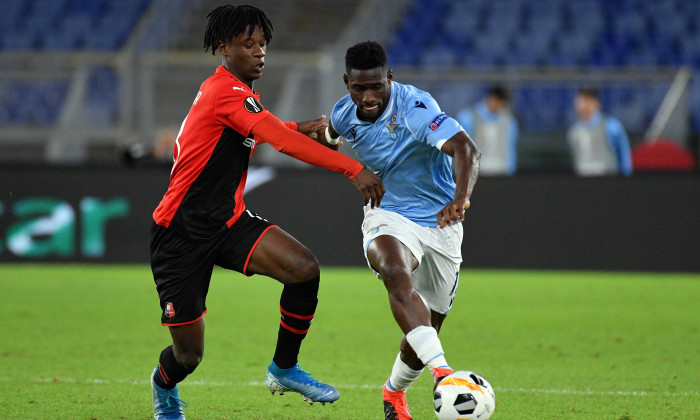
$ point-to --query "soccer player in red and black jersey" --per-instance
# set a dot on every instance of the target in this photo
(202, 220)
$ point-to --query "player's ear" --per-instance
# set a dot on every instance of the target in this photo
(389, 75)
(223, 48)
(345, 80)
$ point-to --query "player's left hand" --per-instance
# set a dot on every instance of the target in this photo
(452, 213)
(312, 128)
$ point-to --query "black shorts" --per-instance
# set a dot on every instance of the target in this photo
(182, 267)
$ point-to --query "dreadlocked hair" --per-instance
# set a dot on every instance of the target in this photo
(364, 56)
(227, 22)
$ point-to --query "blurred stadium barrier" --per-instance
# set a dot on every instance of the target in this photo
(644, 223)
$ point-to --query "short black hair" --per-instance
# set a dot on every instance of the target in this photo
(589, 91)
(227, 22)
(364, 56)
(499, 92)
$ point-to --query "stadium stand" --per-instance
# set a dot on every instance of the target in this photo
(595, 33)
(432, 35)
(63, 25)
(68, 24)
(298, 24)
(31, 103)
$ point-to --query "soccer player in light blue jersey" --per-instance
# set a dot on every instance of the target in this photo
(412, 241)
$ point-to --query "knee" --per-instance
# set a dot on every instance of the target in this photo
(190, 359)
(394, 272)
(397, 280)
(306, 268)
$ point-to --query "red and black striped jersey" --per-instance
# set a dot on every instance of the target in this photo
(211, 156)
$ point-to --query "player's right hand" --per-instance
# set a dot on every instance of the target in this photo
(453, 212)
(371, 187)
(311, 128)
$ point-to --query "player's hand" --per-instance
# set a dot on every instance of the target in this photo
(312, 128)
(371, 187)
(452, 213)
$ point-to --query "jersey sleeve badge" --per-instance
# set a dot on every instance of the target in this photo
(437, 121)
(252, 105)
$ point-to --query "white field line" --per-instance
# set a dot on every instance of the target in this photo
(378, 386)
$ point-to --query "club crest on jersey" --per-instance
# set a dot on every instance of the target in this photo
(252, 105)
(437, 121)
(169, 310)
(391, 126)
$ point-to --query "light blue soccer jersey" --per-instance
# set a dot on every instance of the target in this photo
(403, 148)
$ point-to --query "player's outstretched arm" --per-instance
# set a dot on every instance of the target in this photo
(281, 137)
(465, 157)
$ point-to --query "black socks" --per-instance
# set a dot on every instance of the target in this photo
(297, 306)
(170, 372)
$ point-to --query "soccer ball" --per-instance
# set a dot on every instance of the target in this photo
(464, 395)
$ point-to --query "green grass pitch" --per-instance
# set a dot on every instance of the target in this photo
(80, 341)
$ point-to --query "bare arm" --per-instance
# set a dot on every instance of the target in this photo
(466, 157)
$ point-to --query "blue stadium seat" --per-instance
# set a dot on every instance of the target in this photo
(438, 56)
(19, 41)
(31, 103)
(461, 22)
(90, 7)
(63, 25)
(48, 8)
(68, 24)
(12, 13)
(103, 97)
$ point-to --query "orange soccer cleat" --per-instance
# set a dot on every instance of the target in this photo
(439, 373)
(395, 406)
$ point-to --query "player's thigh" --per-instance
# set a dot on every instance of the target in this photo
(280, 256)
(391, 243)
(388, 255)
(240, 242)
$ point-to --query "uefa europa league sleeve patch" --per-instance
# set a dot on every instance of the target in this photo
(437, 121)
(252, 105)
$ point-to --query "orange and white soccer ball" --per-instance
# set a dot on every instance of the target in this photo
(464, 395)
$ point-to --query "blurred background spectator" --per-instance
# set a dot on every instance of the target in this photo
(495, 130)
(158, 152)
(598, 143)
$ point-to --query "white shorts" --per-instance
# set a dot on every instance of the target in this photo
(438, 251)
